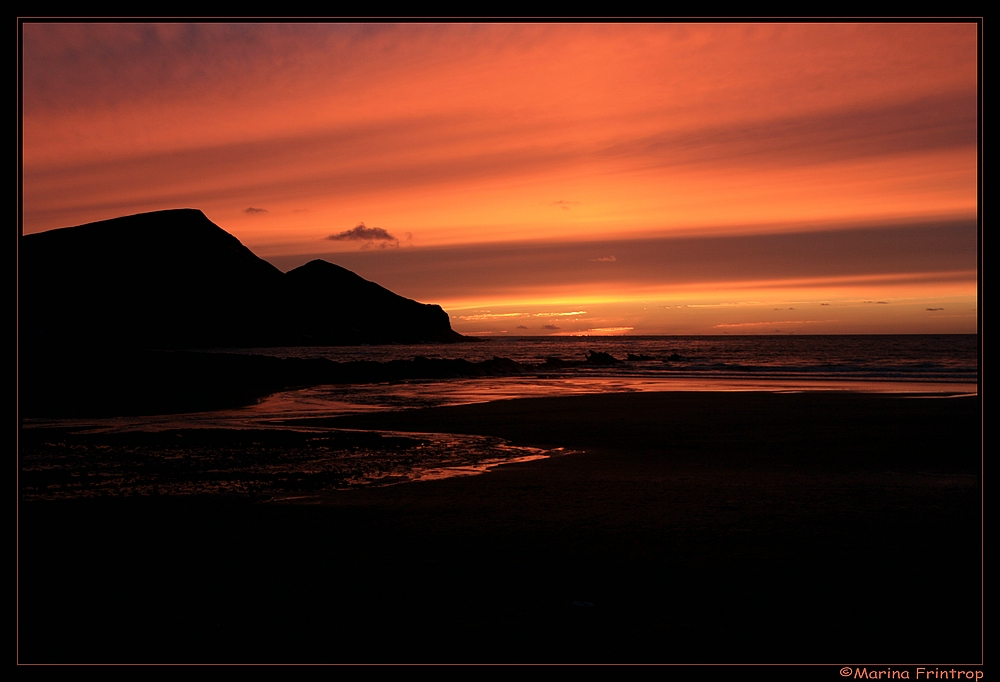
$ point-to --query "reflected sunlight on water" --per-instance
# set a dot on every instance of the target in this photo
(266, 464)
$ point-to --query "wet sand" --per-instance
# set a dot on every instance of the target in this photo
(688, 527)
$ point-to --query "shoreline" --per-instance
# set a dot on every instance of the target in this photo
(99, 382)
(692, 528)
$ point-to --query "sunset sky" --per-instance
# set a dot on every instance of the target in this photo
(646, 178)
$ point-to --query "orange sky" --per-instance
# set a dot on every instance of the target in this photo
(651, 178)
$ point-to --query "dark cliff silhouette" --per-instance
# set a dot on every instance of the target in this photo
(104, 308)
(174, 279)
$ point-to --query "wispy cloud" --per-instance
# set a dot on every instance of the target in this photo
(250, 210)
(723, 305)
(604, 259)
(761, 324)
(489, 316)
(599, 331)
(565, 205)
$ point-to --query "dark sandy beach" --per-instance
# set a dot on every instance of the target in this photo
(687, 528)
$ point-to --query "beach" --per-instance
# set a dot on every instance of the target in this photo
(698, 527)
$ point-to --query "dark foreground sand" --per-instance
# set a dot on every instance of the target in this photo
(696, 527)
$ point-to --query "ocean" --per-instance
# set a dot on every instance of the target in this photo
(869, 358)
(255, 451)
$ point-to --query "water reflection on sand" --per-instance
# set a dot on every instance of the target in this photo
(266, 464)
(332, 401)
(254, 451)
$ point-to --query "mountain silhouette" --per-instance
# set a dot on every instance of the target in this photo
(173, 279)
